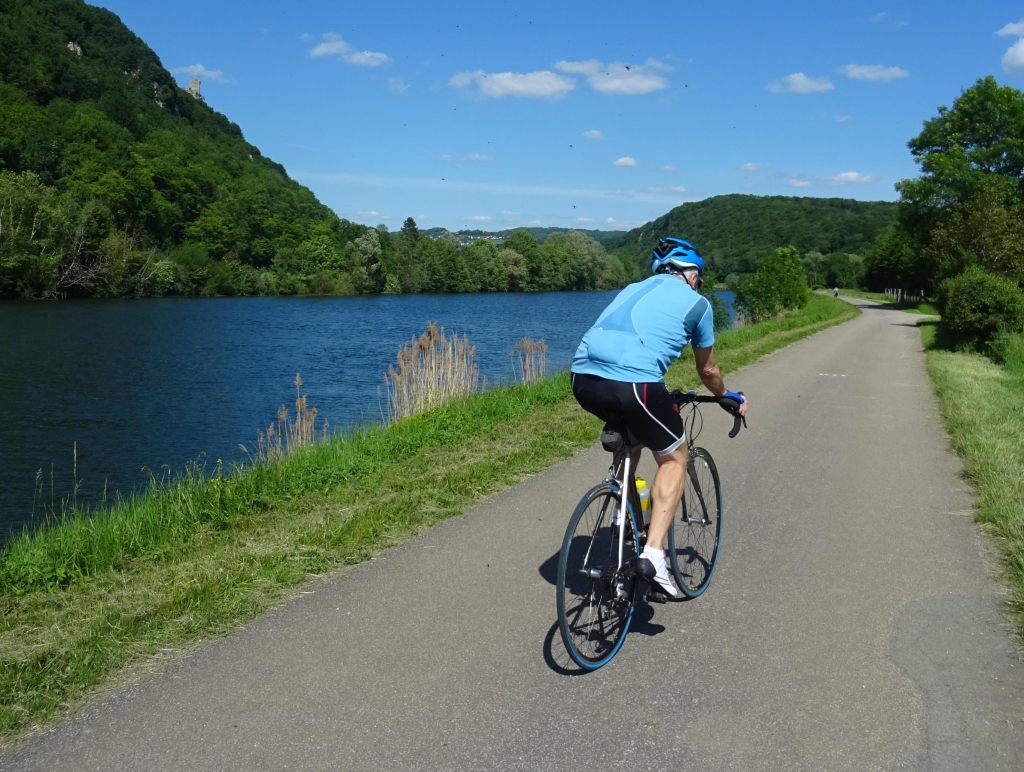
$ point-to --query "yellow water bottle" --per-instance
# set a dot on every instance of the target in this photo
(645, 495)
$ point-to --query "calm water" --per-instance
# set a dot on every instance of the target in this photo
(152, 384)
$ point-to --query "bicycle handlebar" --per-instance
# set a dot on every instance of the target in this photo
(728, 404)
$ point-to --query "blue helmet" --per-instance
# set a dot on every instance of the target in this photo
(675, 254)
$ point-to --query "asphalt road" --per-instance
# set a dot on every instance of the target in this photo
(853, 623)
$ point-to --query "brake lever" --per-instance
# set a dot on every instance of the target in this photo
(737, 420)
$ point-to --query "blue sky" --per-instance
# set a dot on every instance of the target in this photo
(596, 114)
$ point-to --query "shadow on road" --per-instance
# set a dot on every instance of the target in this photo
(558, 659)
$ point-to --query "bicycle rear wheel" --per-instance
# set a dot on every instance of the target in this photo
(696, 530)
(595, 603)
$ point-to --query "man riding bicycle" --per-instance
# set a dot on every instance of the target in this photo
(618, 374)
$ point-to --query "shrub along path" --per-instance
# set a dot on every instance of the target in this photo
(851, 625)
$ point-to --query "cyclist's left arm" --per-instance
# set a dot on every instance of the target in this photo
(711, 376)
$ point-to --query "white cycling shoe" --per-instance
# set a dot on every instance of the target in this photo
(653, 567)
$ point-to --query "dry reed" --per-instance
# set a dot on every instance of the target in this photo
(286, 434)
(529, 358)
(431, 371)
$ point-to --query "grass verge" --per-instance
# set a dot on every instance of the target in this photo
(983, 408)
(121, 591)
(926, 307)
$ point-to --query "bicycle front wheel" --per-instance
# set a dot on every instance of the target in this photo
(696, 530)
(595, 602)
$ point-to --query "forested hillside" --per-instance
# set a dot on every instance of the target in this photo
(733, 232)
(541, 234)
(114, 181)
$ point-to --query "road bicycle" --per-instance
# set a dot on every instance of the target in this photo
(598, 586)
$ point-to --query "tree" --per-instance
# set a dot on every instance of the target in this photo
(778, 285)
(986, 229)
(893, 262)
(981, 137)
(843, 270)
(410, 230)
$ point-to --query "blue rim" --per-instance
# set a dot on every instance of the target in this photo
(629, 619)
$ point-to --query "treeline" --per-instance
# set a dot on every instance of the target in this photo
(960, 230)
(53, 244)
(734, 232)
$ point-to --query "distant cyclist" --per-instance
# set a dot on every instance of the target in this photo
(618, 374)
(835, 292)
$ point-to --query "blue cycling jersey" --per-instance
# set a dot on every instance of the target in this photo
(644, 329)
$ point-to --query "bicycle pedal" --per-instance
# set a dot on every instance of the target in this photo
(656, 596)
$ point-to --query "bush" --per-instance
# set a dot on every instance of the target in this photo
(1007, 348)
(779, 284)
(977, 305)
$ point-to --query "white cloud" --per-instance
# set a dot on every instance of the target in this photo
(878, 72)
(798, 83)
(625, 161)
(794, 183)
(399, 85)
(423, 217)
(1013, 59)
(510, 212)
(1013, 29)
(375, 215)
(673, 190)
(842, 118)
(334, 45)
(845, 178)
(879, 17)
(620, 77)
(668, 168)
(305, 37)
(586, 220)
(609, 220)
(534, 222)
(480, 218)
(542, 84)
(198, 71)
(593, 134)
(467, 158)
(750, 167)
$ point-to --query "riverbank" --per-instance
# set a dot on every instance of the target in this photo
(981, 404)
(93, 602)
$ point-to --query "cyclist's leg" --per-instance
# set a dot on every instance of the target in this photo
(665, 493)
(654, 418)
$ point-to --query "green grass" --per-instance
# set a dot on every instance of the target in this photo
(96, 599)
(983, 408)
(925, 307)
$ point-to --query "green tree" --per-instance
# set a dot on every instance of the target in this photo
(778, 285)
(980, 137)
(985, 229)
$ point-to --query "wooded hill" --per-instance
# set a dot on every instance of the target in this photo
(115, 181)
(466, 236)
(733, 232)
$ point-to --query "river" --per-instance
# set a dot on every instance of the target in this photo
(126, 388)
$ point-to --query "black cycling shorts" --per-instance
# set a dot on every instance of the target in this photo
(647, 410)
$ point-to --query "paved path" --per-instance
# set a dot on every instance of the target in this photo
(852, 624)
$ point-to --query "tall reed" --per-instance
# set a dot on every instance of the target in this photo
(287, 434)
(529, 360)
(431, 370)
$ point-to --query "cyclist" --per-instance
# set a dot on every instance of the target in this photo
(618, 374)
